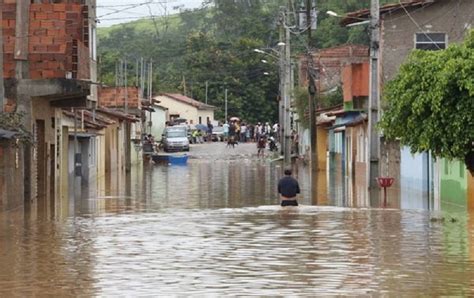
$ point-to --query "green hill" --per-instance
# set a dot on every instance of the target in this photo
(215, 45)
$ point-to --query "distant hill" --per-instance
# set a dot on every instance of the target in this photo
(214, 46)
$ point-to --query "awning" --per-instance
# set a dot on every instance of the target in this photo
(348, 120)
(83, 134)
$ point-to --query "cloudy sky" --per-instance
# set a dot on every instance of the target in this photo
(112, 12)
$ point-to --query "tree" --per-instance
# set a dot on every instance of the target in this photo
(214, 44)
(431, 100)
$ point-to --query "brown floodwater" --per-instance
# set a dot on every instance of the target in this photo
(214, 227)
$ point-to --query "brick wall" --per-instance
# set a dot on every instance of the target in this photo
(57, 40)
(355, 80)
(114, 97)
(330, 63)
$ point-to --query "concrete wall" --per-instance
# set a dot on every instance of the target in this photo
(64, 172)
(41, 111)
(204, 114)
(454, 178)
(101, 156)
(470, 191)
(398, 31)
(322, 135)
(158, 119)
(414, 180)
(11, 175)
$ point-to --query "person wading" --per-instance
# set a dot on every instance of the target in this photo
(288, 188)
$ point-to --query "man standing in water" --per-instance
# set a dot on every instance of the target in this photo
(288, 188)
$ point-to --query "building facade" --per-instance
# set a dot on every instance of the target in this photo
(420, 180)
(49, 55)
(180, 106)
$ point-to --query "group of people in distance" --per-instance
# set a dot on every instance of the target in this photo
(235, 132)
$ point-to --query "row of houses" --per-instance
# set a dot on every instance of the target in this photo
(421, 181)
(83, 134)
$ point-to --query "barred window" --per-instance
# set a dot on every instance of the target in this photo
(430, 41)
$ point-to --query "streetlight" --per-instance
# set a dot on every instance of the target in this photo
(276, 54)
(362, 20)
(332, 13)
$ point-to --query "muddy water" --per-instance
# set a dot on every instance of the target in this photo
(213, 227)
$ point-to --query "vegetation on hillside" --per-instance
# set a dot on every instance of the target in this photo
(214, 44)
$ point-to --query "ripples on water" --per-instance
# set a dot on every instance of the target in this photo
(189, 236)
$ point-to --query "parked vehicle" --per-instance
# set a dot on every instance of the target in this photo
(218, 134)
(175, 138)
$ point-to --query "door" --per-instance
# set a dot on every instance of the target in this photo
(52, 184)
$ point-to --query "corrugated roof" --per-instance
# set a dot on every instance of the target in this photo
(357, 16)
(189, 101)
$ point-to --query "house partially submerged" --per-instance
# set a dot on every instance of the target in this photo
(49, 63)
(421, 181)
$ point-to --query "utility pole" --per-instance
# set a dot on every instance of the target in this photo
(374, 103)
(287, 99)
(136, 74)
(126, 85)
(309, 23)
(225, 104)
(184, 85)
(206, 90)
(142, 78)
(150, 89)
(281, 104)
(311, 96)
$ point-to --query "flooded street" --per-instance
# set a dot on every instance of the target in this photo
(214, 227)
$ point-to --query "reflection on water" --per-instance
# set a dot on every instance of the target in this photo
(213, 227)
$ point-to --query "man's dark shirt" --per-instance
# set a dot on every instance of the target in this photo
(288, 187)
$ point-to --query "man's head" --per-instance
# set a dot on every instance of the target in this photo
(288, 172)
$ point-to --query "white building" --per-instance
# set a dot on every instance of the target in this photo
(180, 106)
(156, 121)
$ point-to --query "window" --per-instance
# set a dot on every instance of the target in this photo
(430, 41)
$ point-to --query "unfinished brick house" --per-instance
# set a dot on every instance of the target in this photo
(328, 64)
(49, 64)
(126, 100)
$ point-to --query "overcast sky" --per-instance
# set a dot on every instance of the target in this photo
(112, 12)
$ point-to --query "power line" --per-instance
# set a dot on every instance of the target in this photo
(417, 25)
